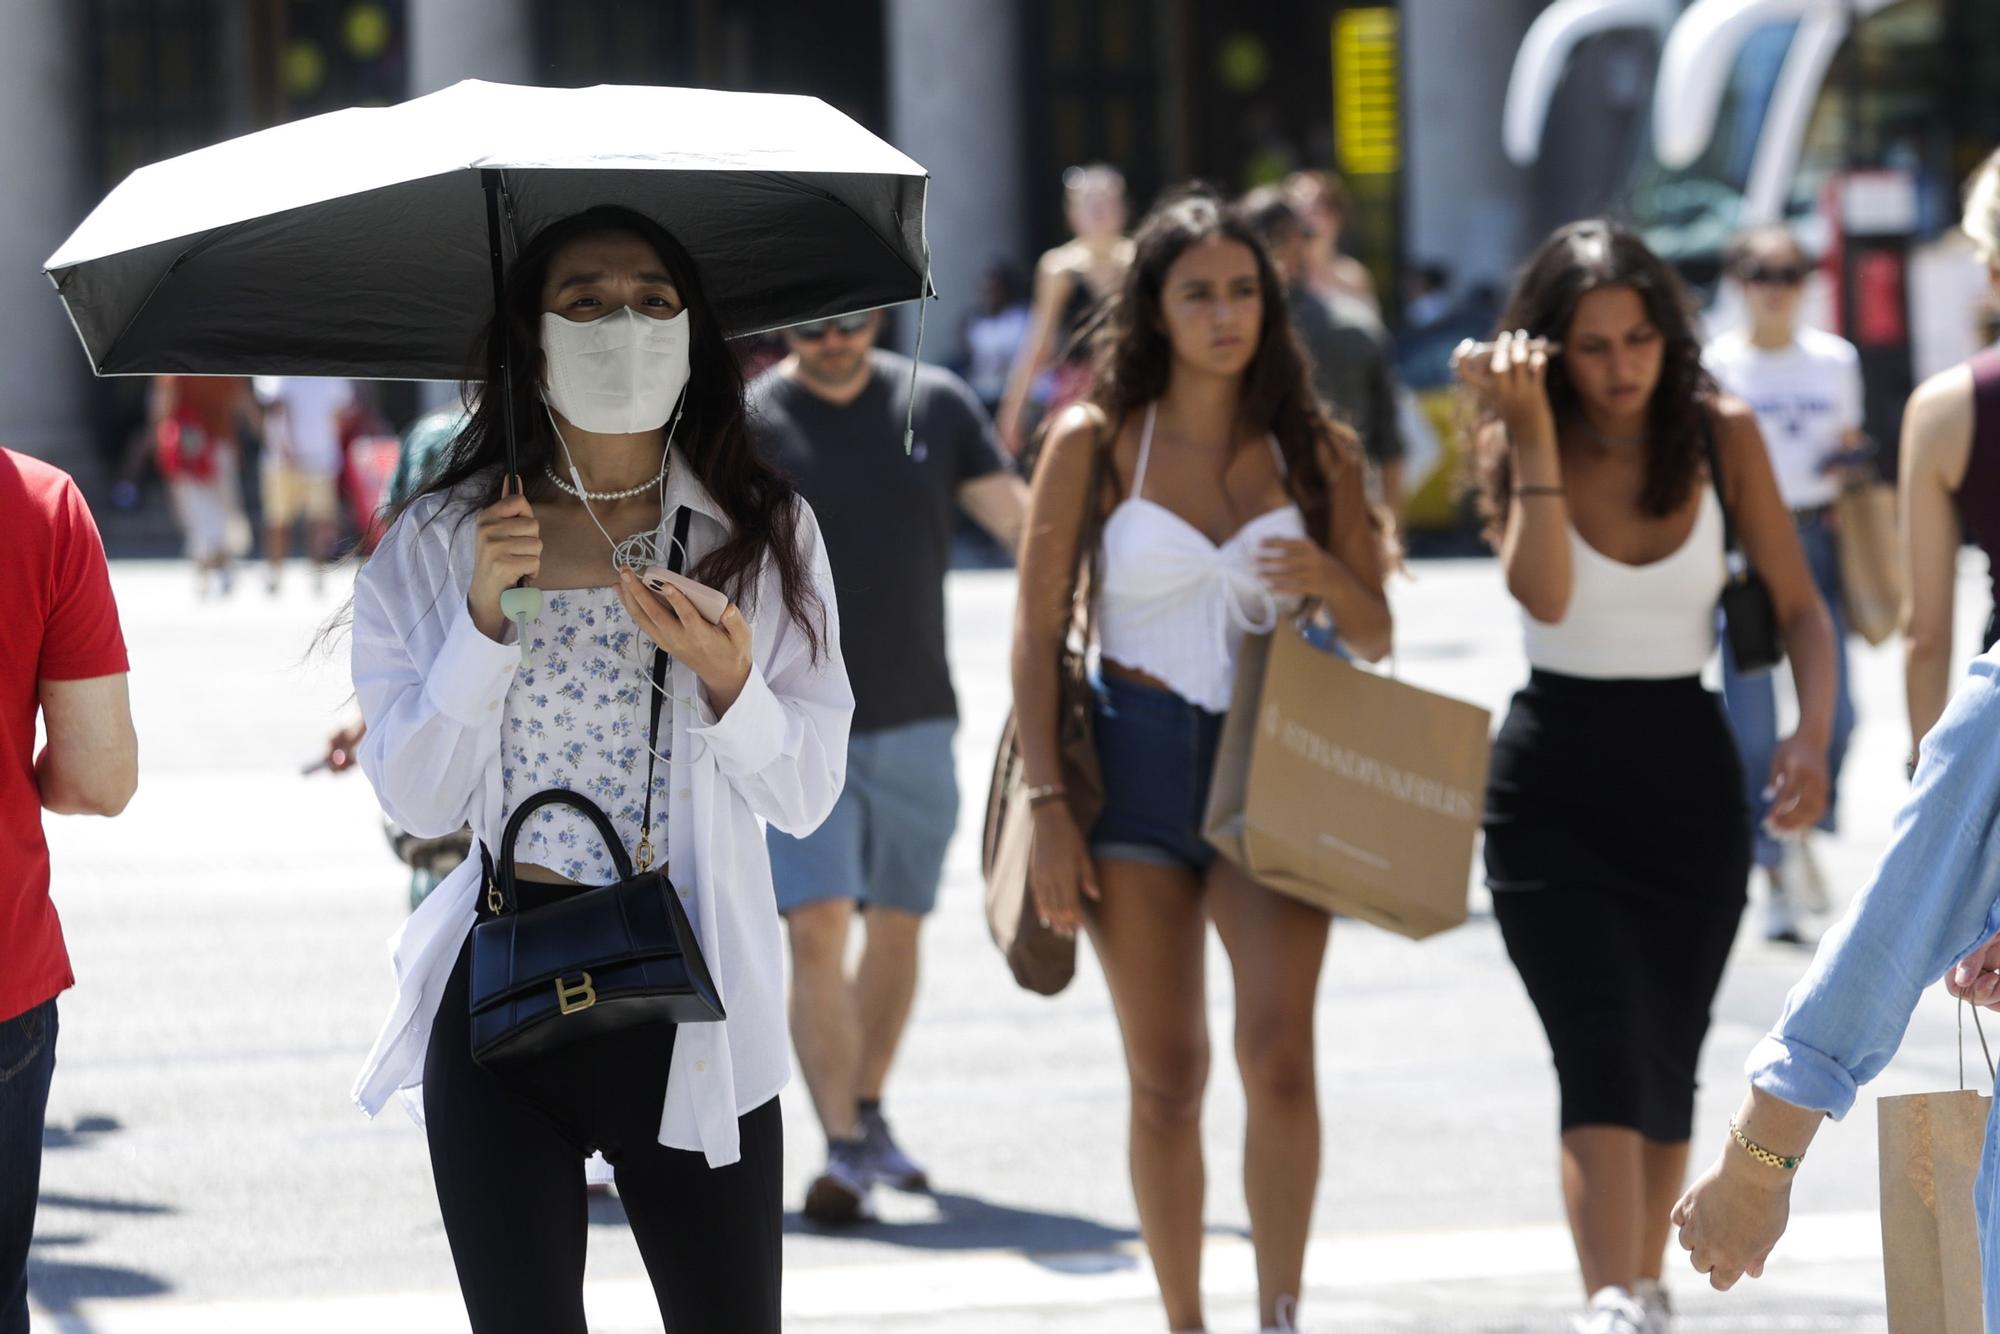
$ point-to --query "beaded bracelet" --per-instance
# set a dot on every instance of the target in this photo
(1764, 1155)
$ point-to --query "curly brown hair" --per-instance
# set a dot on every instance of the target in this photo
(1578, 259)
(1133, 358)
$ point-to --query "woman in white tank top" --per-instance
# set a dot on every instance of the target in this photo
(1230, 502)
(1617, 837)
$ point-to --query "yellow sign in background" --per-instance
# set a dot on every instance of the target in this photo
(1365, 119)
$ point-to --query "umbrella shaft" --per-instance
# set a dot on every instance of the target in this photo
(490, 178)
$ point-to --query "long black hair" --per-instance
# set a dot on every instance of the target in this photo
(713, 434)
(1576, 260)
(1134, 358)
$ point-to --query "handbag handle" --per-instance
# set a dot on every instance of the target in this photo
(1980, 1029)
(1737, 562)
(1083, 575)
(554, 796)
(654, 697)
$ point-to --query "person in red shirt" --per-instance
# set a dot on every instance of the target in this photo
(61, 655)
(193, 420)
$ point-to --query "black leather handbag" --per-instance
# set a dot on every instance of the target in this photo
(595, 962)
(1749, 617)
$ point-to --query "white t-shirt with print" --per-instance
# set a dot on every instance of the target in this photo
(307, 433)
(1806, 396)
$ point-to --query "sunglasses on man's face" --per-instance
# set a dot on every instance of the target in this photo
(849, 325)
(1776, 275)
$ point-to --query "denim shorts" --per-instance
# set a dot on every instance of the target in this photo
(1158, 753)
(883, 845)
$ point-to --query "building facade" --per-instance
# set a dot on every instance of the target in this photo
(995, 97)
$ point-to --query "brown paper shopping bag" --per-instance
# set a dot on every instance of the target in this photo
(1930, 1147)
(1354, 792)
(1871, 581)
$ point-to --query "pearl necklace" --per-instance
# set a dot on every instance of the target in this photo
(550, 468)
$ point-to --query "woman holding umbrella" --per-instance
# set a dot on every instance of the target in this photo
(629, 412)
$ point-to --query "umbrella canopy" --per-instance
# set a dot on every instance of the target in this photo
(357, 243)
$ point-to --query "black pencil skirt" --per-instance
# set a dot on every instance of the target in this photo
(1618, 852)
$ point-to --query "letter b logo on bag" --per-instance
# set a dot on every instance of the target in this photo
(574, 998)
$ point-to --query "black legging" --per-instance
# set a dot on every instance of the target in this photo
(510, 1184)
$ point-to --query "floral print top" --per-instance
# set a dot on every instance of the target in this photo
(576, 718)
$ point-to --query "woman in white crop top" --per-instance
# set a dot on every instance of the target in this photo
(1229, 502)
(1618, 841)
(631, 425)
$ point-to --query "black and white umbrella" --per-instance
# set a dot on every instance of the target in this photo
(372, 242)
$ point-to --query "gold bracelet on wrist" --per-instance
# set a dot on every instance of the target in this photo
(1764, 1155)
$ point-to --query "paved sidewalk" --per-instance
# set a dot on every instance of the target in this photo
(205, 1169)
(1479, 1279)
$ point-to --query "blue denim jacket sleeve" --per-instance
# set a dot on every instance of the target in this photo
(1930, 903)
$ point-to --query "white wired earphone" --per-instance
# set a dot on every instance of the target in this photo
(640, 550)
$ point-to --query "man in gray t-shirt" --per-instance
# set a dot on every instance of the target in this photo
(1351, 359)
(831, 417)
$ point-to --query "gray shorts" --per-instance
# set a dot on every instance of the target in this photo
(883, 846)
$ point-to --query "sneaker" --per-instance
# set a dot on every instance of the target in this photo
(1781, 911)
(886, 1162)
(839, 1195)
(1611, 1311)
(1653, 1300)
(1288, 1317)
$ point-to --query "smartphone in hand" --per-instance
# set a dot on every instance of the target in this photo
(1470, 348)
(711, 603)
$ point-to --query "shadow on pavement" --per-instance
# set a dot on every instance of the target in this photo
(945, 1222)
(50, 1200)
(940, 1222)
(57, 1286)
(605, 1210)
(85, 1129)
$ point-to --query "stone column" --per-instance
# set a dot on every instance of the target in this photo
(469, 39)
(1466, 206)
(45, 155)
(955, 106)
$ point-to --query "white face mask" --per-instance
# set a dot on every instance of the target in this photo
(618, 374)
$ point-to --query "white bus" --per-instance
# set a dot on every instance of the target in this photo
(1758, 117)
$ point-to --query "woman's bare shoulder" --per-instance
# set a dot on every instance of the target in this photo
(1943, 400)
(1060, 260)
(1738, 440)
(1076, 434)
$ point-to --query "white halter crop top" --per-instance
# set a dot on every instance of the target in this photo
(1175, 605)
(1646, 622)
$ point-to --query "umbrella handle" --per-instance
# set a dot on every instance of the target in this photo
(520, 604)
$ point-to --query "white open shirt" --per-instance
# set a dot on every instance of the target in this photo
(432, 688)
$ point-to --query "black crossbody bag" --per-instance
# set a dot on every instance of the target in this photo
(1749, 617)
(598, 961)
